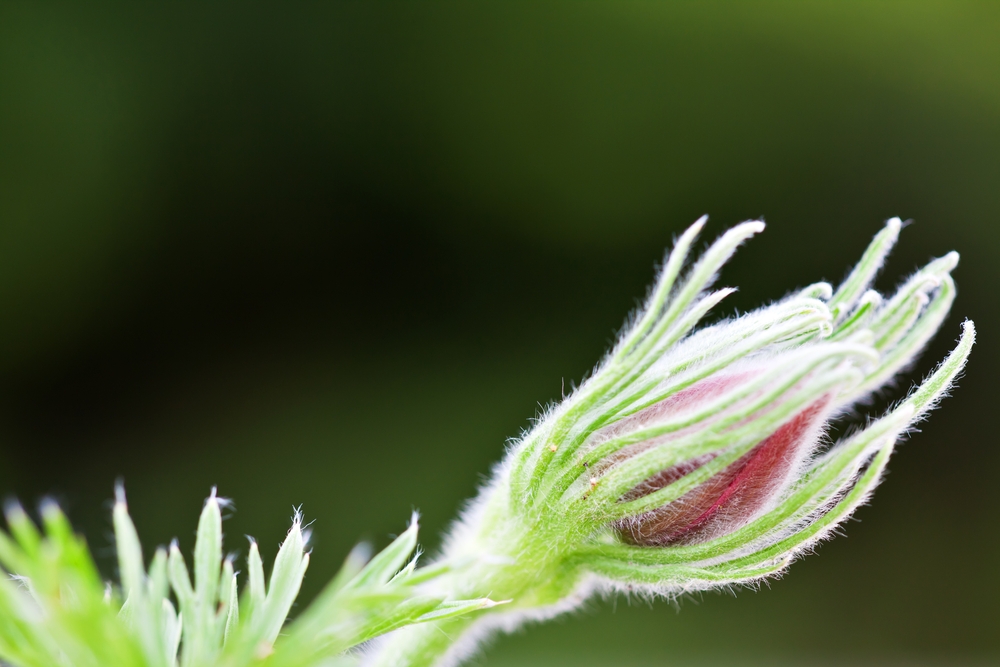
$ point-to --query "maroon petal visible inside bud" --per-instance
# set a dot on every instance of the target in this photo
(727, 500)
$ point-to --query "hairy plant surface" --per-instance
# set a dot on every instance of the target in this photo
(690, 459)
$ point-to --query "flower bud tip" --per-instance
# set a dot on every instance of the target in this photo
(951, 260)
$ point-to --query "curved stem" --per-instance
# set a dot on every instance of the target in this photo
(506, 558)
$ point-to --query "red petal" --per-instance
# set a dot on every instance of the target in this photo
(729, 499)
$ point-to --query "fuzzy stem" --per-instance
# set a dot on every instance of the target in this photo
(518, 561)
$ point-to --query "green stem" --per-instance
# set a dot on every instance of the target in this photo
(505, 559)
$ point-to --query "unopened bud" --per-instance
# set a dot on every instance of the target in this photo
(695, 458)
(691, 450)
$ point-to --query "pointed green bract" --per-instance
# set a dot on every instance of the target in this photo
(60, 615)
(864, 272)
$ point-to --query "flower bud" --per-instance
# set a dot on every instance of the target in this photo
(694, 448)
(695, 458)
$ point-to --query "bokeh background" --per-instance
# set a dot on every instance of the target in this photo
(334, 254)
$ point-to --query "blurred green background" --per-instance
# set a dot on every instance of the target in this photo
(334, 254)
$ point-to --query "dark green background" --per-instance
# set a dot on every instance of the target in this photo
(334, 254)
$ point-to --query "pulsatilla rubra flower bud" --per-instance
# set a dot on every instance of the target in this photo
(694, 458)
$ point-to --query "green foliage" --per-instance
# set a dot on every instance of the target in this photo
(56, 611)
